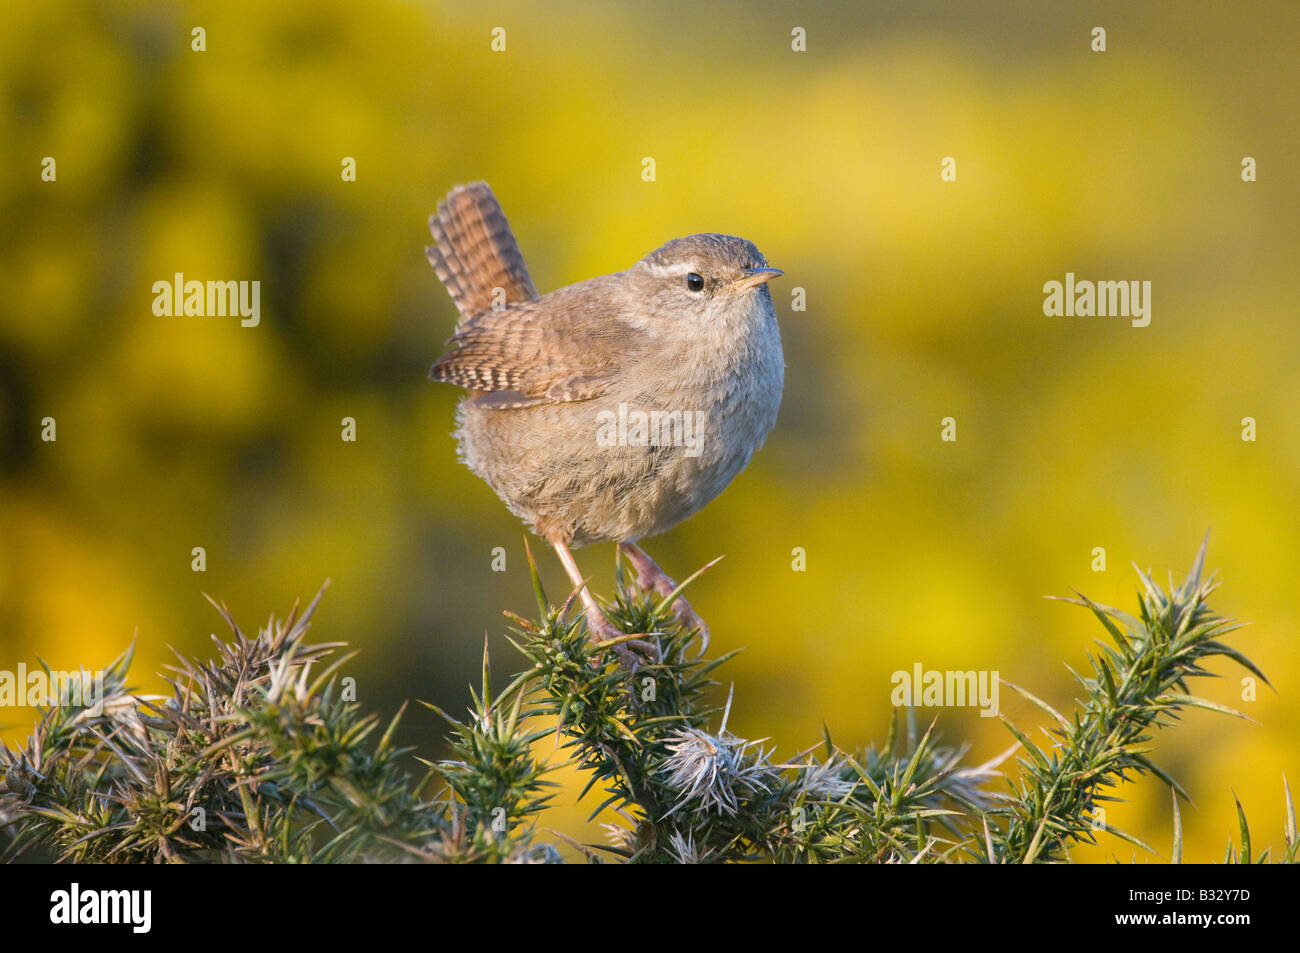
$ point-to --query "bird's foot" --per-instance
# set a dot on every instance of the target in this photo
(634, 649)
(691, 620)
(599, 628)
(651, 578)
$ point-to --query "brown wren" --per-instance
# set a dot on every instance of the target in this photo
(611, 409)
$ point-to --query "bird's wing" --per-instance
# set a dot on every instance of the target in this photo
(567, 346)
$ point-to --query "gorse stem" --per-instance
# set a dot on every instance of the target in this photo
(1138, 683)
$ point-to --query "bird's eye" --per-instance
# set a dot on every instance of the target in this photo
(694, 282)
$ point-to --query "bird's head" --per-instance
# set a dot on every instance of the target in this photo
(702, 280)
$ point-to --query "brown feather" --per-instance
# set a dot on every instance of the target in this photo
(476, 251)
(570, 345)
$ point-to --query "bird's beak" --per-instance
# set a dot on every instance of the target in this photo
(753, 277)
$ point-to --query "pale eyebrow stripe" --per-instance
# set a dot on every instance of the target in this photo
(679, 269)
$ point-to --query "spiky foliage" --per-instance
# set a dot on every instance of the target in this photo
(1138, 684)
(261, 755)
(688, 794)
(256, 756)
(1233, 855)
(495, 782)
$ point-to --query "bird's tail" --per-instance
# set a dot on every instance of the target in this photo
(476, 256)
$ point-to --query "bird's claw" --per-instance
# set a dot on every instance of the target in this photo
(643, 649)
(653, 579)
(691, 620)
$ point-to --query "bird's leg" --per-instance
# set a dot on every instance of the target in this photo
(654, 579)
(598, 624)
(602, 630)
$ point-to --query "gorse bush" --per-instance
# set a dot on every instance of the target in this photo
(260, 756)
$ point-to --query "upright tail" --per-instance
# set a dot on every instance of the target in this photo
(476, 251)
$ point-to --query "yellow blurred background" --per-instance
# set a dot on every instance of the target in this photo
(924, 301)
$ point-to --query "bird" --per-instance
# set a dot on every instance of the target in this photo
(615, 408)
